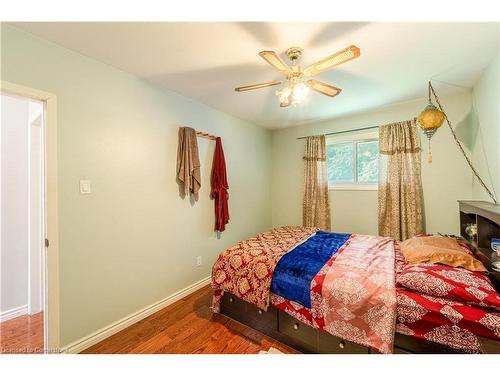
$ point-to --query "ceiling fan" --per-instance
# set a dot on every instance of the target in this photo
(296, 86)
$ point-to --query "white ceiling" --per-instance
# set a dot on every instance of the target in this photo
(206, 61)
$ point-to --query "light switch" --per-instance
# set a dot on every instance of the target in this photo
(85, 187)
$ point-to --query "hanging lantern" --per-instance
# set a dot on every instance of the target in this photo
(430, 120)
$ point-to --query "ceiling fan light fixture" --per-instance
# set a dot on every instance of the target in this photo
(293, 94)
(297, 83)
(284, 96)
(300, 92)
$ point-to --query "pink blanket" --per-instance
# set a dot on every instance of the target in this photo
(358, 295)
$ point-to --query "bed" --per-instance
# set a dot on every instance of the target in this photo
(323, 292)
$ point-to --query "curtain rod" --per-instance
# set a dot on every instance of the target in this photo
(345, 131)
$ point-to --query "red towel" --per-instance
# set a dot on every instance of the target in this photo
(219, 187)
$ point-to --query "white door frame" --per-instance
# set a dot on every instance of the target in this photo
(35, 223)
(50, 257)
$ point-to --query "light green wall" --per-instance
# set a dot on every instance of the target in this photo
(444, 181)
(134, 240)
(486, 145)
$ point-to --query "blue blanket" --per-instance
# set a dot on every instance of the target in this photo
(295, 270)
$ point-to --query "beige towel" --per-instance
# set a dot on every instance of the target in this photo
(188, 161)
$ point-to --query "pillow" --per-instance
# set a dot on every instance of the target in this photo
(456, 284)
(435, 249)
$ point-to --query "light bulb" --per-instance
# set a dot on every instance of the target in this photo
(284, 95)
(300, 92)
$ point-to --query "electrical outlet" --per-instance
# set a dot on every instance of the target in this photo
(198, 261)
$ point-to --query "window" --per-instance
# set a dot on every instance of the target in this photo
(352, 162)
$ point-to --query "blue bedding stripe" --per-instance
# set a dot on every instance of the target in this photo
(295, 270)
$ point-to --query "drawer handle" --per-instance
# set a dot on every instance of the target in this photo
(296, 326)
(260, 312)
(342, 344)
(231, 299)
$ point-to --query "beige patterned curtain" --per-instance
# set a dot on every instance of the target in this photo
(400, 202)
(316, 207)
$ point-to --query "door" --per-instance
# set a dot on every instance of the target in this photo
(41, 210)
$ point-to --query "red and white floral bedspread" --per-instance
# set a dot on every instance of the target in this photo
(444, 321)
(451, 323)
(246, 269)
(355, 299)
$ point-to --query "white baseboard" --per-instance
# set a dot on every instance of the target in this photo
(13, 313)
(94, 338)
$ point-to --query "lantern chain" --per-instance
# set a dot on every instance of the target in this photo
(459, 144)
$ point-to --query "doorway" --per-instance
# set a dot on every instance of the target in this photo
(29, 317)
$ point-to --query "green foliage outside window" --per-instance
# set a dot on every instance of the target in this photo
(352, 162)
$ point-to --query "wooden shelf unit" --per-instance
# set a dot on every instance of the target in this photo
(487, 218)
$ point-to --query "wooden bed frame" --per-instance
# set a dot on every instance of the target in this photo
(296, 334)
(285, 328)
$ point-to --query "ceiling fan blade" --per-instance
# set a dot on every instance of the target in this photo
(272, 58)
(324, 88)
(257, 86)
(338, 58)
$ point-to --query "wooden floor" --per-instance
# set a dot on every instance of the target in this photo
(22, 335)
(188, 326)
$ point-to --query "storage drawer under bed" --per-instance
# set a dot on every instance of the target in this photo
(285, 328)
(249, 314)
(313, 340)
(335, 345)
(302, 335)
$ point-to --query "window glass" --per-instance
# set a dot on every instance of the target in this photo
(367, 162)
(352, 162)
(340, 162)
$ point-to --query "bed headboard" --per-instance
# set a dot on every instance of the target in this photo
(487, 218)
